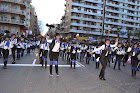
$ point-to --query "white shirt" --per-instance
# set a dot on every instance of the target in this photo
(56, 46)
(4, 46)
(19, 45)
(14, 42)
(46, 46)
(103, 47)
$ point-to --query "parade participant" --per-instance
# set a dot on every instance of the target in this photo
(134, 61)
(89, 49)
(68, 53)
(7, 45)
(23, 47)
(65, 50)
(41, 51)
(138, 66)
(83, 50)
(46, 49)
(105, 47)
(14, 42)
(97, 56)
(78, 50)
(62, 50)
(54, 53)
(119, 55)
(19, 47)
(1, 40)
(73, 51)
(28, 47)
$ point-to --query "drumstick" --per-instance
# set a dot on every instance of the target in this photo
(138, 64)
(123, 58)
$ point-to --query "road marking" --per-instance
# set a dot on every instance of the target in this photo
(34, 61)
(80, 64)
(36, 54)
(35, 65)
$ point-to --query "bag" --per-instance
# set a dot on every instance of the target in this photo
(129, 60)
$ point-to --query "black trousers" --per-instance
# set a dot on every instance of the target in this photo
(104, 64)
(118, 60)
(13, 52)
(5, 56)
(18, 52)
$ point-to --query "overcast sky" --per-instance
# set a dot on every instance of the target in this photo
(49, 11)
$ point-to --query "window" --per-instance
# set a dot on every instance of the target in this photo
(4, 7)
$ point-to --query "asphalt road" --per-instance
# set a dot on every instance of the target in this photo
(27, 76)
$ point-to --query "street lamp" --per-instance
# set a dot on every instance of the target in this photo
(103, 19)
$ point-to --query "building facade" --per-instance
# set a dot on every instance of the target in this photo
(34, 21)
(14, 15)
(86, 17)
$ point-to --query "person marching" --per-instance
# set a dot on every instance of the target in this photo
(68, 53)
(46, 49)
(73, 52)
(28, 47)
(19, 47)
(89, 49)
(7, 45)
(134, 59)
(119, 55)
(83, 50)
(23, 46)
(14, 42)
(54, 53)
(41, 51)
(105, 47)
(97, 56)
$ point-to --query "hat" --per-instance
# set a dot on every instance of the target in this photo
(57, 34)
(107, 40)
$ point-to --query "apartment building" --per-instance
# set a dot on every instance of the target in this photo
(86, 17)
(34, 27)
(14, 15)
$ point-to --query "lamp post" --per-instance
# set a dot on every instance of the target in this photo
(103, 18)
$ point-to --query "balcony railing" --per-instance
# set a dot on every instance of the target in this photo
(22, 2)
(12, 21)
(15, 11)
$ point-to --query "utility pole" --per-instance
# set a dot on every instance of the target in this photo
(104, 11)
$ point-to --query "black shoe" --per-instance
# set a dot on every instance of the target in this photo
(119, 69)
(103, 79)
(100, 77)
(13, 62)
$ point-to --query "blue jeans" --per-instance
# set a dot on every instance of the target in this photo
(0, 52)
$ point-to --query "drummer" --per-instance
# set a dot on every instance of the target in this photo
(138, 58)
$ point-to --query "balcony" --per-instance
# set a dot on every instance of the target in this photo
(86, 12)
(120, 18)
(12, 21)
(128, 2)
(87, 6)
(86, 19)
(121, 24)
(14, 11)
(94, 1)
(84, 25)
(21, 2)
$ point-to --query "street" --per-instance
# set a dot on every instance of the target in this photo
(27, 76)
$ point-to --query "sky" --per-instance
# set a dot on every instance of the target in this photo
(49, 11)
